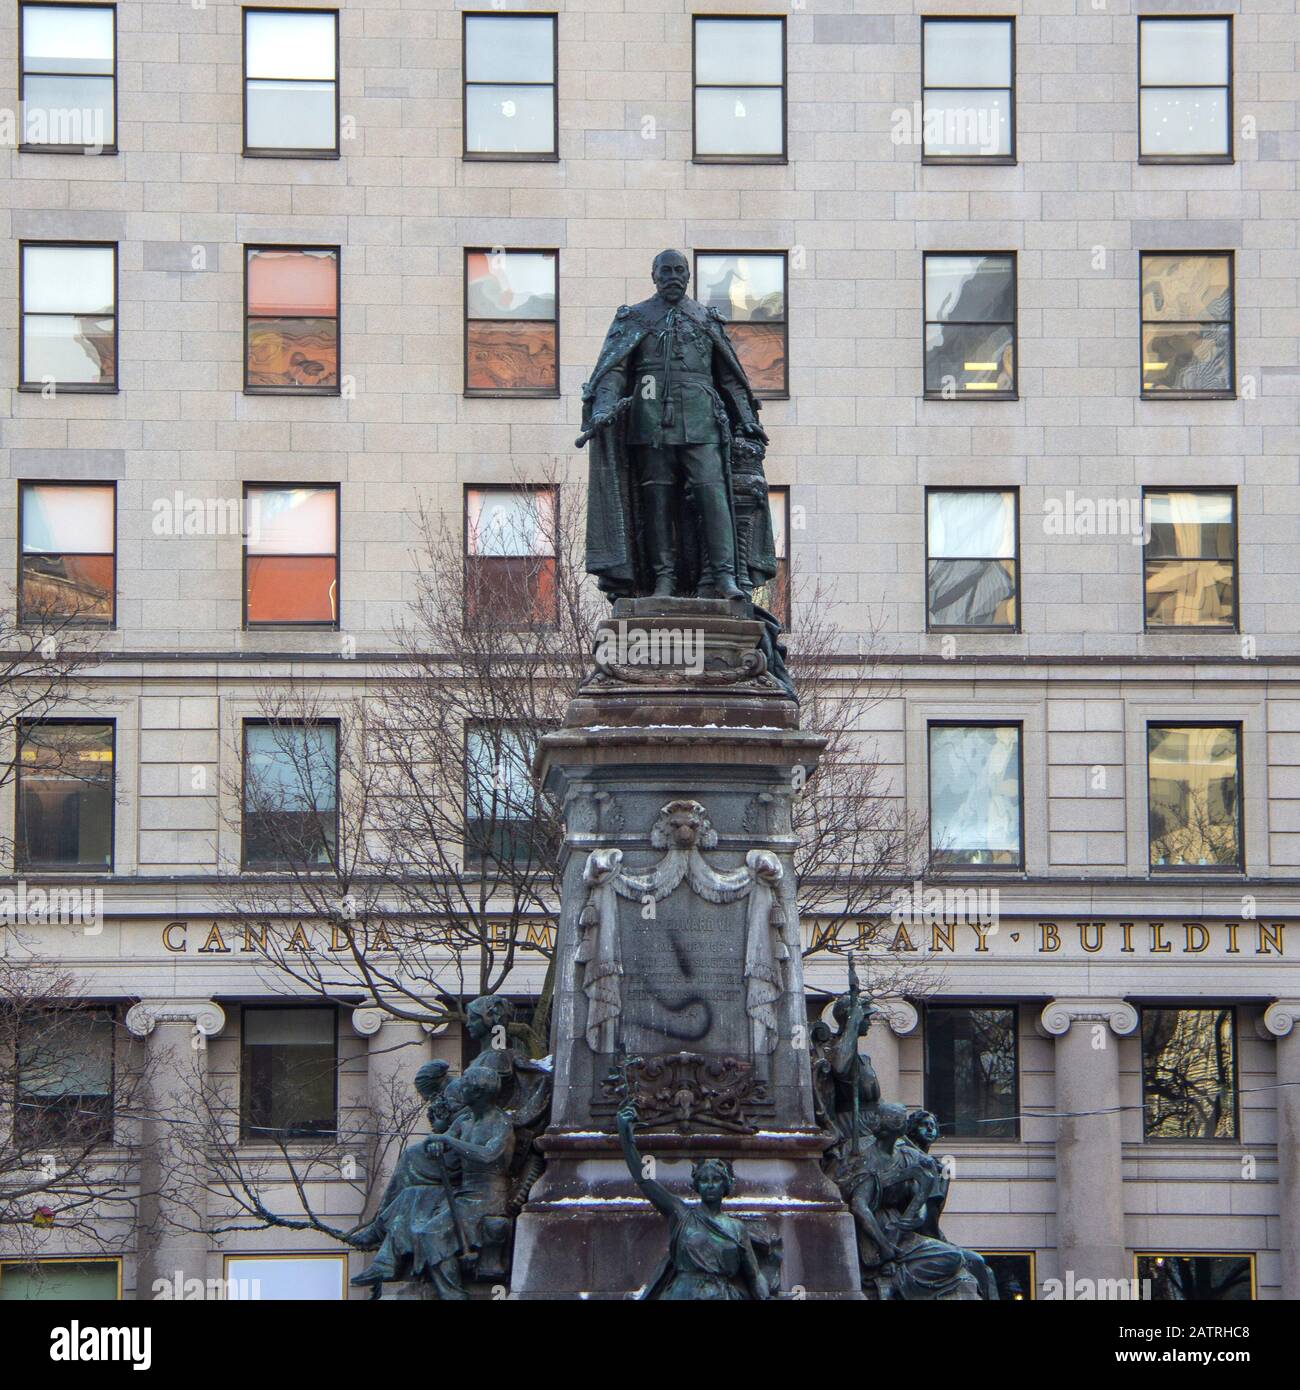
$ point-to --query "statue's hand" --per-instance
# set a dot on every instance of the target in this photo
(435, 1144)
(626, 1117)
(754, 430)
(602, 418)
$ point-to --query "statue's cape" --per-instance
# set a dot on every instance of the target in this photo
(613, 553)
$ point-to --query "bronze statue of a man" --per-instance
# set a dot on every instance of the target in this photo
(671, 417)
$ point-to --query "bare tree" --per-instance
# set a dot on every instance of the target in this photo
(224, 1178)
(407, 818)
(72, 1089)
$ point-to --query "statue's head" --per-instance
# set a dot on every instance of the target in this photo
(479, 1085)
(713, 1179)
(671, 273)
(840, 1013)
(683, 825)
(487, 1012)
(431, 1076)
(922, 1128)
(889, 1123)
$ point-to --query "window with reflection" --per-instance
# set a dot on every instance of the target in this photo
(1189, 1073)
(971, 1070)
(291, 556)
(510, 93)
(69, 316)
(972, 571)
(500, 797)
(60, 1280)
(67, 539)
(1196, 1278)
(970, 325)
(739, 89)
(289, 1073)
(968, 89)
(1013, 1272)
(65, 1078)
(65, 795)
(1190, 565)
(1187, 347)
(511, 323)
(975, 795)
(291, 320)
(291, 83)
(280, 1278)
(291, 789)
(1185, 88)
(1194, 796)
(510, 561)
(775, 594)
(68, 78)
(749, 290)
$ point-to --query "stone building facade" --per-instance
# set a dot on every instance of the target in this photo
(1094, 220)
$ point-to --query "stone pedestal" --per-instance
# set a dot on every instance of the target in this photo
(679, 944)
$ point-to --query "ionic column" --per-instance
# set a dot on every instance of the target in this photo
(1280, 1018)
(396, 1050)
(1089, 1167)
(173, 1242)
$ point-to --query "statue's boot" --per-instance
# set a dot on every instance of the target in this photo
(718, 576)
(379, 1271)
(657, 507)
(371, 1236)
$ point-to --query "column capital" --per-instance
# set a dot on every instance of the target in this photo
(1057, 1016)
(899, 1014)
(368, 1019)
(1281, 1017)
(206, 1015)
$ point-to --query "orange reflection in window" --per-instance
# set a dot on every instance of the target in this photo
(292, 589)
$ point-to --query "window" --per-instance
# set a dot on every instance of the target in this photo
(975, 804)
(1013, 1271)
(291, 780)
(500, 800)
(291, 556)
(1189, 1076)
(67, 565)
(1187, 347)
(512, 323)
(1194, 795)
(65, 1079)
(1196, 1278)
(291, 320)
(69, 312)
(968, 90)
(65, 794)
(62, 1280)
(970, 325)
(510, 563)
(277, 1277)
(510, 103)
(971, 1070)
(749, 290)
(972, 570)
(291, 83)
(739, 90)
(1190, 565)
(1185, 89)
(289, 1073)
(68, 78)
(775, 594)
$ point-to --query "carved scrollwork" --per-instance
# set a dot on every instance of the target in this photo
(687, 1090)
